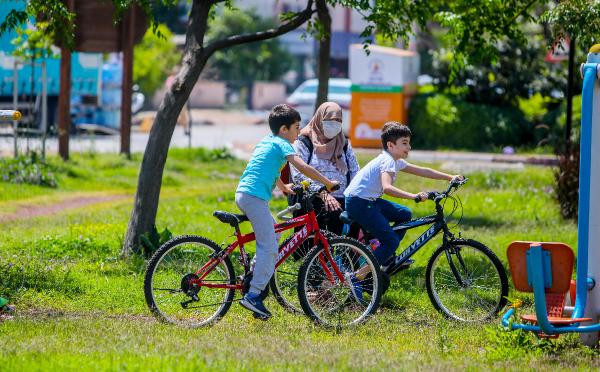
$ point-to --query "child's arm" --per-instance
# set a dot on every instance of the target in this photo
(310, 172)
(429, 173)
(391, 190)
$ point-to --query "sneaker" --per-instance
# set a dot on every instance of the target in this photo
(254, 303)
(355, 287)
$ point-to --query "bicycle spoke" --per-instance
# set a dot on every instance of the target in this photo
(481, 293)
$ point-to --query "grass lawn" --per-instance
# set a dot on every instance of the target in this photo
(81, 307)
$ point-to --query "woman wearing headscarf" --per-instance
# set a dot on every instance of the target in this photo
(322, 144)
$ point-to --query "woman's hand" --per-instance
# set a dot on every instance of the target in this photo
(331, 203)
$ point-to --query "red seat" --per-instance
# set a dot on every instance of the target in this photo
(555, 320)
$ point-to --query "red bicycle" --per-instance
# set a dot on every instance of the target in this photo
(190, 280)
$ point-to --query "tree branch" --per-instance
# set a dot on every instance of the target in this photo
(292, 24)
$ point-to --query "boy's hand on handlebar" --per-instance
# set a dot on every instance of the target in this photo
(287, 188)
(422, 196)
(457, 178)
(332, 185)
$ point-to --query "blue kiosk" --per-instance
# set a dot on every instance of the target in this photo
(546, 268)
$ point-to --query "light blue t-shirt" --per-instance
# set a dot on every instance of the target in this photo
(264, 167)
(367, 182)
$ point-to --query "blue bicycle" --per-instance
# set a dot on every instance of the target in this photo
(465, 280)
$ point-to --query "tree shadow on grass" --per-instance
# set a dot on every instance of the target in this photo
(467, 221)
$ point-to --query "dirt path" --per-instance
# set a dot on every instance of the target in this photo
(27, 211)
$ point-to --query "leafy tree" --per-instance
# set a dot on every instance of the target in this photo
(266, 61)
(153, 59)
(518, 72)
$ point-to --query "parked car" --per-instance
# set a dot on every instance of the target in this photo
(304, 97)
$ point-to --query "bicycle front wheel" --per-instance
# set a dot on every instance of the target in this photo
(466, 281)
(284, 283)
(332, 302)
(172, 297)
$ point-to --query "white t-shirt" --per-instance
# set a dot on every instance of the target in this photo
(367, 182)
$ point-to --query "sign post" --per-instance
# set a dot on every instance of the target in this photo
(382, 84)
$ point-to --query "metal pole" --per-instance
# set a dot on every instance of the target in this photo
(127, 82)
(588, 252)
(190, 122)
(15, 106)
(64, 106)
(44, 123)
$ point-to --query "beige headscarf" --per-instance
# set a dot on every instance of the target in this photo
(325, 148)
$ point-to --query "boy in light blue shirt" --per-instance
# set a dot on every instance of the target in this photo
(254, 192)
(363, 196)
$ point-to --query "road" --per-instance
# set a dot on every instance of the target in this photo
(240, 132)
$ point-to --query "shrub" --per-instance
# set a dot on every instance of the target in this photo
(152, 240)
(28, 169)
(441, 120)
(201, 154)
(22, 273)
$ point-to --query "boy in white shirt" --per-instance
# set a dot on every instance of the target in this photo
(363, 196)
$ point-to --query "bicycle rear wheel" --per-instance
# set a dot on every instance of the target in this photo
(167, 288)
(466, 281)
(328, 300)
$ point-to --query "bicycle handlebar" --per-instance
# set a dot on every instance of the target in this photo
(291, 208)
(300, 189)
(439, 195)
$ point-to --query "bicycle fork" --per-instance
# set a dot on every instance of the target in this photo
(453, 267)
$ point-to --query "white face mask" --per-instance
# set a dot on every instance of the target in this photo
(331, 128)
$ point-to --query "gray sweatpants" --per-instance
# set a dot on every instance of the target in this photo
(262, 222)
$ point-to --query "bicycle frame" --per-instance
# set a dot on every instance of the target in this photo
(309, 225)
(439, 224)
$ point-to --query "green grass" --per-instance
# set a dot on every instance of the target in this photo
(81, 307)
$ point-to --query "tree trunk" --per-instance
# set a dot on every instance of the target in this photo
(324, 61)
(195, 55)
(151, 171)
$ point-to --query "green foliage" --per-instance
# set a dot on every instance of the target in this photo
(266, 61)
(29, 169)
(152, 240)
(575, 18)
(56, 19)
(153, 59)
(19, 274)
(518, 72)
(445, 121)
(59, 247)
(535, 107)
(473, 27)
(34, 43)
(201, 154)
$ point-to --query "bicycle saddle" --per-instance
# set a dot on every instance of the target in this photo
(345, 218)
(230, 218)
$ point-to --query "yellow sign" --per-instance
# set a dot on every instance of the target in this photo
(370, 110)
